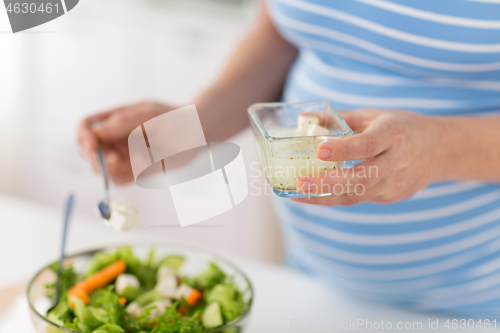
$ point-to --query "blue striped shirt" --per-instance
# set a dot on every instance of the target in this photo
(440, 249)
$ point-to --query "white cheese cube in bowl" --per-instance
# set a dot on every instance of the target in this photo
(164, 272)
(183, 291)
(317, 130)
(126, 284)
(134, 309)
(167, 286)
(159, 308)
(304, 122)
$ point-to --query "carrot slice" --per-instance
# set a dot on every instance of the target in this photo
(97, 280)
(122, 300)
(102, 277)
(78, 293)
(194, 297)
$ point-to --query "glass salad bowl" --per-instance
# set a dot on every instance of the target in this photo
(195, 261)
(284, 151)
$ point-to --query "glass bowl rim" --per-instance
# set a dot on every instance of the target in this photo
(180, 246)
(347, 131)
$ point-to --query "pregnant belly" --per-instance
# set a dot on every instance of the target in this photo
(430, 252)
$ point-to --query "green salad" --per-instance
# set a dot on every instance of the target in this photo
(121, 293)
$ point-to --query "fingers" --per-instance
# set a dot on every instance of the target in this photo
(123, 121)
(384, 192)
(359, 119)
(116, 126)
(88, 144)
(93, 133)
(110, 130)
(119, 168)
(87, 139)
(361, 177)
(346, 199)
(375, 139)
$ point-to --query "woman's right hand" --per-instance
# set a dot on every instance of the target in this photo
(110, 130)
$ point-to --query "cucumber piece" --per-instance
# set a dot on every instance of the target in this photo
(149, 297)
(130, 293)
(173, 261)
(212, 316)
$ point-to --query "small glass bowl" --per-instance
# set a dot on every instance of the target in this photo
(286, 156)
(196, 260)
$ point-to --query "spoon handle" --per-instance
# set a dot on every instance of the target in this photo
(67, 215)
(104, 170)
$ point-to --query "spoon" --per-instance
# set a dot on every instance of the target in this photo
(67, 213)
(127, 215)
(104, 204)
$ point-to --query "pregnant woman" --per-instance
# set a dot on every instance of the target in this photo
(420, 83)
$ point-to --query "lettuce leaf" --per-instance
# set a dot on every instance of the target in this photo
(211, 276)
(84, 315)
(229, 299)
(144, 271)
(108, 301)
(173, 322)
(109, 328)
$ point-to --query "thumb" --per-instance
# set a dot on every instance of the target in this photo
(372, 141)
(359, 119)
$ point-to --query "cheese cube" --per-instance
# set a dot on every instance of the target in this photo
(167, 286)
(183, 291)
(124, 282)
(317, 130)
(164, 272)
(159, 309)
(304, 122)
(123, 215)
(134, 309)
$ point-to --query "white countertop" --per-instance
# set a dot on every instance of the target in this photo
(285, 301)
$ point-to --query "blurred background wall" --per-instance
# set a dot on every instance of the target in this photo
(106, 53)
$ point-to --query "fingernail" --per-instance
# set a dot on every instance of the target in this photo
(325, 153)
(97, 126)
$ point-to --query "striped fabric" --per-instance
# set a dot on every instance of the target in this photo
(439, 250)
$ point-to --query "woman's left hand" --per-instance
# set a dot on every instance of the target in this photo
(402, 152)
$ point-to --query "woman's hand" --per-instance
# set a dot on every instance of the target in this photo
(403, 152)
(110, 130)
